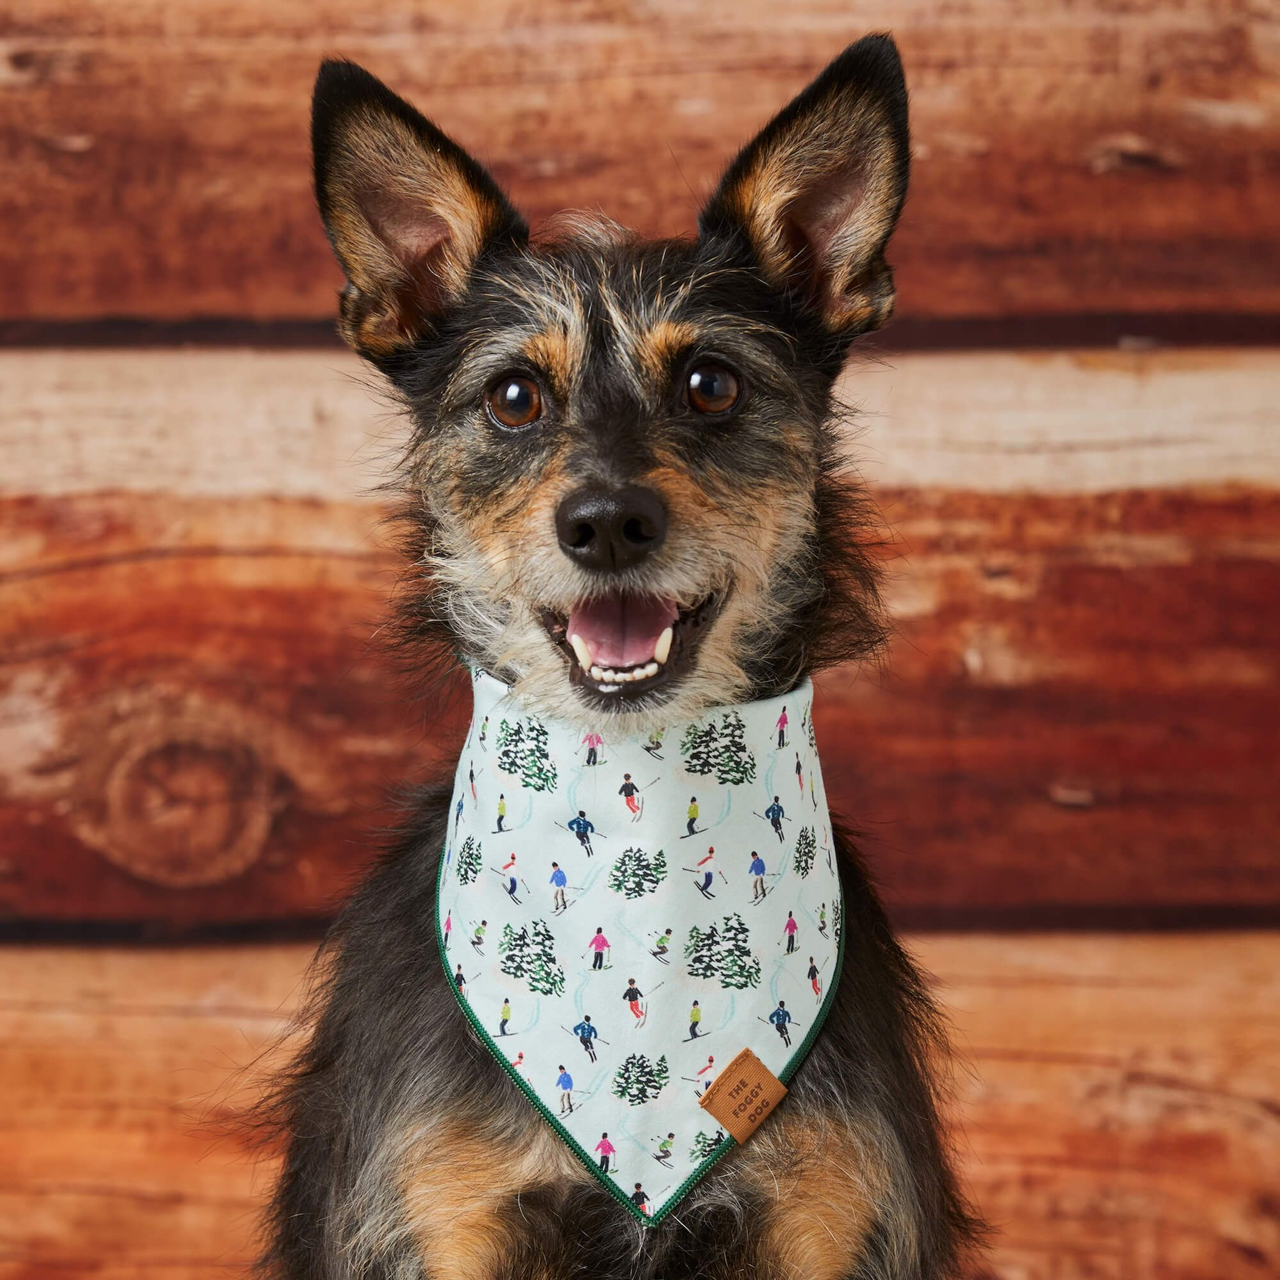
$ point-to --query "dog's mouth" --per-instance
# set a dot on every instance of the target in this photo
(626, 645)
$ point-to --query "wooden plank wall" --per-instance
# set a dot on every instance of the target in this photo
(1071, 431)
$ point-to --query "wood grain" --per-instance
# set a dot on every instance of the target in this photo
(1077, 720)
(1117, 1115)
(1070, 159)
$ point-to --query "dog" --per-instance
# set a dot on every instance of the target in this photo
(602, 422)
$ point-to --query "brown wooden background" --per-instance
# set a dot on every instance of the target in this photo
(1066, 769)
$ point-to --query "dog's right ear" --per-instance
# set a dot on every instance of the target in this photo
(408, 212)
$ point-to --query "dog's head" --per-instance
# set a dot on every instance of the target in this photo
(624, 469)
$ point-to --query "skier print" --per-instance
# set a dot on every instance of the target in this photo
(582, 827)
(663, 1155)
(781, 1019)
(448, 928)
(484, 733)
(799, 774)
(691, 813)
(664, 945)
(706, 1075)
(822, 920)
(509, 870)
(459, 981)
(599, 944)
(631, 794)
(502, 810)
(782, 729)
(477, 938)
(757, 876)
(457, 817)
(789, 931)
(586, 1033)
(504, 1016)
(633, 995)
(640, 1200)
(471, 778)
(558, 880)
(654, 745)
(593, 742)
(709, 871)
(695, 1020)
(775, 813)
(564, 1082)
(814, 980)
(606, 1149)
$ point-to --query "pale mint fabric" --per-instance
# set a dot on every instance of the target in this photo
(562, 880)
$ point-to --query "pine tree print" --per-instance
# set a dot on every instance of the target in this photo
(513, 947)
(637, 873)
(638, 1080)
(469, 860)
(700, 951)
(806, 849)
(523, 753)
(734, 762)
(808, 724)
(735, 964)
(837, 920)
(698, 746)
(703, 1147)
(546, 974)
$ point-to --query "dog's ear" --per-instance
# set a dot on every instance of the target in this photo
(817, 192)
(408, 212)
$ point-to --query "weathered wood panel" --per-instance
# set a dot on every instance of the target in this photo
(1118, 1116)
(1078, 719)
(1070, 158)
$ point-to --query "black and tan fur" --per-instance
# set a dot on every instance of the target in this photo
(409, 1153)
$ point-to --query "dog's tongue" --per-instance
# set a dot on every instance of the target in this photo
(622, 631)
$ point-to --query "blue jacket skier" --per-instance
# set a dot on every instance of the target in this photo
(586, 1033)
(559, 879)
(582, 827)
(757, 875)
(564, 1082)
(775, 815)
(780, 1018)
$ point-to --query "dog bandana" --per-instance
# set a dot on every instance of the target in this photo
(626, 921)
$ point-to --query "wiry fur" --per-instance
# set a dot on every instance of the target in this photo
(408, 1154)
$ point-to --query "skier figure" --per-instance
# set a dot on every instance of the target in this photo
(706, 1073)
(510, 865)
(586, 1033)
(822, 920)
(628, 791)
(663, 943)
(664, 1149)
(695, 1017)
(757, 873)
(775, 814)
(471, 777)
(707, 876)
(460, 982)
(790, 930)
(593, 742)
(799, 774)
(484, 731)
(782, 729)
(633, 995)
(457, 817)
(502, 809)
(640, 1200)
(518, 1060)
(582, 828)
(505, 1016)
(654, 745)
(813, 980)
(780, 1017)
(599, 944)
(564, 1082)
(559, 879)
(477, 938)
(606, 1149)
(691, 814)
(448, 928)
(812, 794)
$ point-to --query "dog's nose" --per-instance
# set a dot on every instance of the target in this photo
(607, 529)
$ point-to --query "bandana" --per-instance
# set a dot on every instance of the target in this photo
(622, 917)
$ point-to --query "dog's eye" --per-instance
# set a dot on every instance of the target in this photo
(515, 402)
(713, 389)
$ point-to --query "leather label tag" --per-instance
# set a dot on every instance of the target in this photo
(744, 1095)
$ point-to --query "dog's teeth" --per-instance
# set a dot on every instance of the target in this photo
(581, 651)
(597, 673)
(662, 651)
(651, 669)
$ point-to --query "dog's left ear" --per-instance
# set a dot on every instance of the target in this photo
(817, 192)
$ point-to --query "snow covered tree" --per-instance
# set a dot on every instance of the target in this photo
(700, 951)
(546, 974)
(734, 762)
(638, 1080)
(698, 746)
(523, 753)
(806, 848)
(513, 947)
(636, 872)
(837, 920)
(704, 1146)
(808, 725)
(469, 860)
(735, 963)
